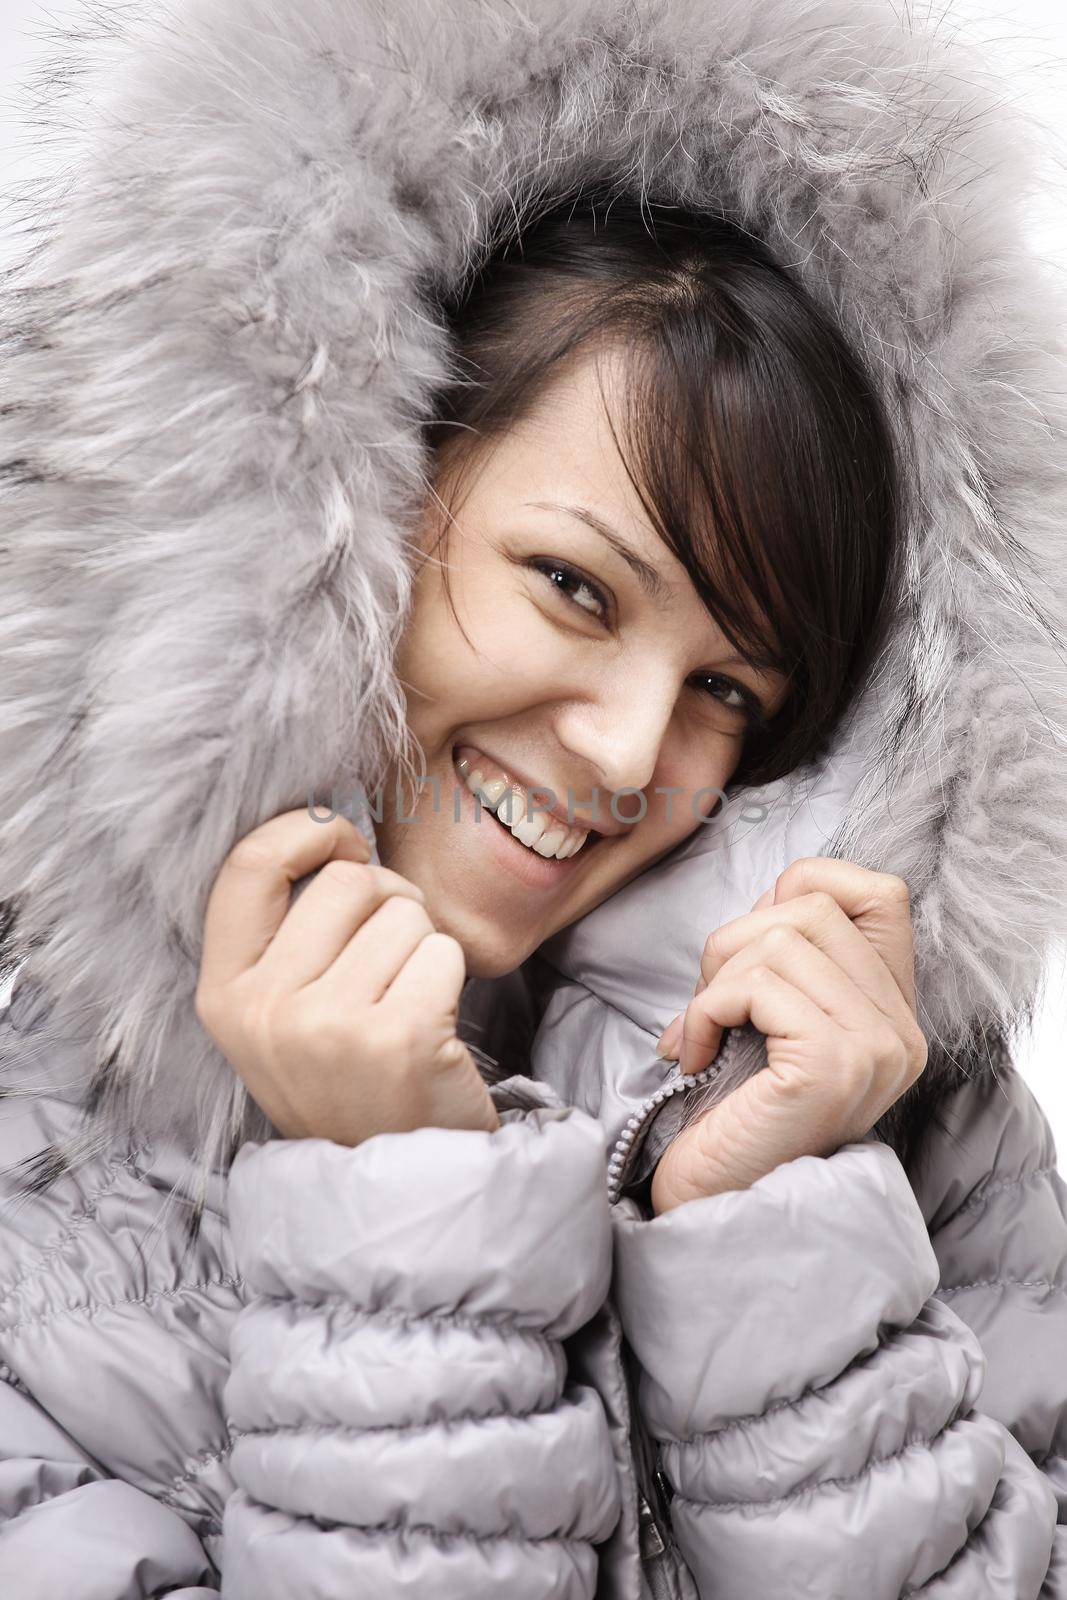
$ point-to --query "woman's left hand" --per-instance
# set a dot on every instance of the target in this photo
(823, 965)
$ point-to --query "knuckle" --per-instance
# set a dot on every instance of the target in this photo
(792, 874)
(821, 904)
(780, 938)
(409, 915)
(715, 945)
(348, 875)
(893, 889)
(894, 1054)
(253, 854)
(918, 1053)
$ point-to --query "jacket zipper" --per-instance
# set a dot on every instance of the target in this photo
(656, 1540)
(628, 1143)
(653, 1542)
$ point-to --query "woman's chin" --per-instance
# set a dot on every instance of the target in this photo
(489, 957)
(488, 950)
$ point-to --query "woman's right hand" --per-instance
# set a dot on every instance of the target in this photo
(338, 1011)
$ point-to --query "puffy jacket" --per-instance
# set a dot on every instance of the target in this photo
(453, 1364)
(443, 1364)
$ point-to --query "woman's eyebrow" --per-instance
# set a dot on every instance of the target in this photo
(647, 575)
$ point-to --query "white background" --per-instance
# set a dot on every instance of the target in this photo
(1027, 42)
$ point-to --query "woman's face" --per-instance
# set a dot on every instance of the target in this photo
(581, 664)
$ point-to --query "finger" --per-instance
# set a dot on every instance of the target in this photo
(878, 903)
(699, 1036)
(318, 927)
(431, 981)
(363, 970)
(765, 899)
(668, 1041)
(757, 995)
(250, 895)
(786, 951)
(822, 921)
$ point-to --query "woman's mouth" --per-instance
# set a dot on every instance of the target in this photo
(537, 845)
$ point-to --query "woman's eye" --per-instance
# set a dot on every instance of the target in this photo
(573, 585)
(730, 694)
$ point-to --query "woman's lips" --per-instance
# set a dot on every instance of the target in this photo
(498, 776)
(517, 859)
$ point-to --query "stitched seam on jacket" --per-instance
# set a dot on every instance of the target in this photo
(921, 1443)
(225, 1280)
(44, 1255)
(739, 1424)
(465, 1535)
(1000, 1283)
(356, 1430)
(447, 1319)
(200, 1464)
(978, 1200)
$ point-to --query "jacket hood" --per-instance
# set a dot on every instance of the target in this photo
(219, 346)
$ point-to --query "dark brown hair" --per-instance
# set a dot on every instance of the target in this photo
(753, 435)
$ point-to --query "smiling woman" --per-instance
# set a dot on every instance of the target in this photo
(622, 417)
(658, 463)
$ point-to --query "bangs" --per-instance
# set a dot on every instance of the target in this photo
(761, 458)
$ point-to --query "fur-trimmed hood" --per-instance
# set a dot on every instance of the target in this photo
(219, 346)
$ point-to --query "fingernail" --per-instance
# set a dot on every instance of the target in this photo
(668, 1039)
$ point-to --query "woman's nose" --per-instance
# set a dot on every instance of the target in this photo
(618, 731)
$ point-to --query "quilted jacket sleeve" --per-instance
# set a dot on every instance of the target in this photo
(398, 1390)
(66, 1528)
(815, 1405)
(999, 1231)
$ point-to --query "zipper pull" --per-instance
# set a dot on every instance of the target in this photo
(650, 1538)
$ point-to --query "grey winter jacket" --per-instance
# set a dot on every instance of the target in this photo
(443, 1363)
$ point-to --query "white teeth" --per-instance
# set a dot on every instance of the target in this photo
(528, 830)
(509, 811)
(493, 790)
(547, 835)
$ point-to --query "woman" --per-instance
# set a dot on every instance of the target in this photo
(338, 1362)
